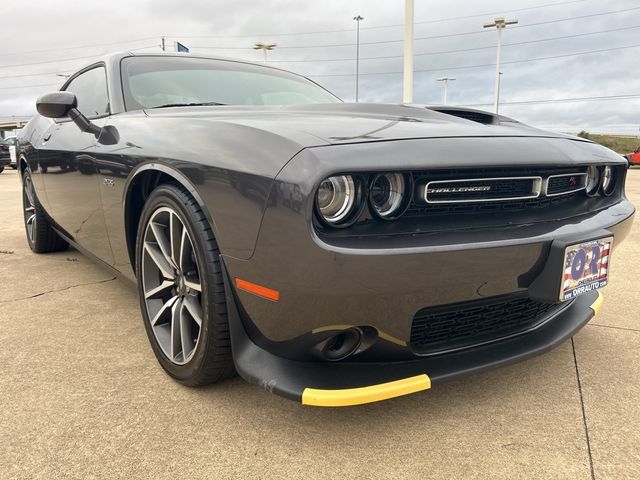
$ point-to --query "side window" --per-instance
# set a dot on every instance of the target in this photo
(90, 89)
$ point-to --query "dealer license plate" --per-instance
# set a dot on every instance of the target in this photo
(586, 267)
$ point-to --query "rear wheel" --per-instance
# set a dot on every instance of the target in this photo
(181, 288)
(40, 235)
(1, 168)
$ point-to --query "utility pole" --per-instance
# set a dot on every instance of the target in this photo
(357, 19)
(446, 81)
(407, 87)
(162, 46)
(264, 47)
(500, 24)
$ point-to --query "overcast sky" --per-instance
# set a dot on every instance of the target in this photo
(42, 38)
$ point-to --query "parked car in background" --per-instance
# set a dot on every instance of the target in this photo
(12, 142)
(332, 253)
(634, 157)
(5, 154)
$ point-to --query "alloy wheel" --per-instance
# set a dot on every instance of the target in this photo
(172, 285)
(29, 203)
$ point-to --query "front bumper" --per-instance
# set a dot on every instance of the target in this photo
(331, 384)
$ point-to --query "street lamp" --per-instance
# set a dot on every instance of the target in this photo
(264, 47)
(500, 24)
(357, 19)
(446, 81)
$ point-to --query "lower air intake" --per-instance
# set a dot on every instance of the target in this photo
(464, 325)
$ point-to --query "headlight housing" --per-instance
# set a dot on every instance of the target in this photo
(339, 200)
(390, 194)
(608, 180)
(593, 180)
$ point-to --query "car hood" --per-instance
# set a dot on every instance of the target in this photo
(340, 123)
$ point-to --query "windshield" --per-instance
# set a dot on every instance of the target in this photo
(150, 82)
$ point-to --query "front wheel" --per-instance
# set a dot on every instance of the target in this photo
(41, 236)
(181, 288)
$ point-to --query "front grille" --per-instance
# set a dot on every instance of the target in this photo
(485, 189)
(463, 325)
(557, 185)
(515, 191)
(420, 210)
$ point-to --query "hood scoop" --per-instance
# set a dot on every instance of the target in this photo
(477, 116)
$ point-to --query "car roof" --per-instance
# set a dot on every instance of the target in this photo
(116, 57)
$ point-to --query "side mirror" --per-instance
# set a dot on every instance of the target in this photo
(56, 104)
(65, 104)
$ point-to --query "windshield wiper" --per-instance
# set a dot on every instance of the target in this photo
(194, 104)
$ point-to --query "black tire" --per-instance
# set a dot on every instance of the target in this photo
(15, 167)
(211, 360)
(41, 237)
(1, 168)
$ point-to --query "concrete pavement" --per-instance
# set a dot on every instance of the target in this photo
(82, 396)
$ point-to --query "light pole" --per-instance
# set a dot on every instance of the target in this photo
(446, 81)
(499, 24)
(357, 19)
(498, 91)
(407, 86)
(264, 47)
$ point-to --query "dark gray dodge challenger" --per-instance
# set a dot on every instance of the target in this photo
(333, 253)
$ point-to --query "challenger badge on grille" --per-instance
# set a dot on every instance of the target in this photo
(481, 189)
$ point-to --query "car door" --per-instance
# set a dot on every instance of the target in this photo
(67, 161)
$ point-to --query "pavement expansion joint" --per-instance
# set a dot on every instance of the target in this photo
(55, 290)
(614, 327)
(584, 413)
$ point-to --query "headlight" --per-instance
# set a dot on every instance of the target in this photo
(338, 199)
(608, 180)
(593, 180)
(388, 195)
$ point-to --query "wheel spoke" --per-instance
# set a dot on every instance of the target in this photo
(158, 258)
(192, 284)
(185, 335)
(162, 241)
(194, 309)
(157, 292)
(30, 209)
(29, 191)
(175, 233)
(163, 311)
(183, 248)
(31, 220)
(176, 330)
